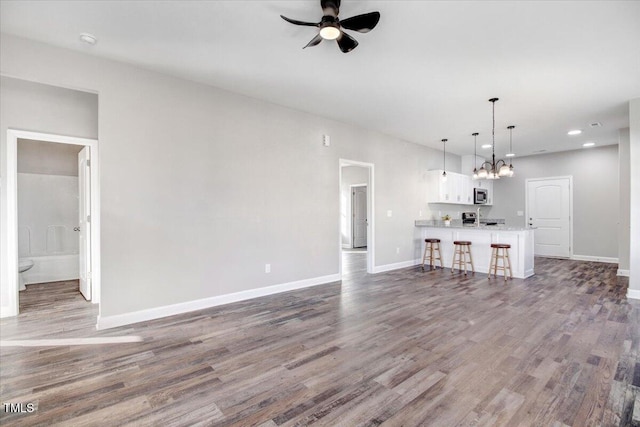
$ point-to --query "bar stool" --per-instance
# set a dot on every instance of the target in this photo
(500, 251)
(461, 249)
(430, 247)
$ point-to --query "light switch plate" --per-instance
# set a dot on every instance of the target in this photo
(389, 214)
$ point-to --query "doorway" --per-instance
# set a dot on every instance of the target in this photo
(357, 219)
(358, 216)
(549, 207)
(90, 196)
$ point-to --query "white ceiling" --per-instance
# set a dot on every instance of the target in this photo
(424, 73)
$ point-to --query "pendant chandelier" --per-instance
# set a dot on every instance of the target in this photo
(493, 169)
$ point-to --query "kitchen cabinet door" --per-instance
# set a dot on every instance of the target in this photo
(457, 189)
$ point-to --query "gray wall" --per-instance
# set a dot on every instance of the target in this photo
(595, 195)
(201, 187)
(37, 107)
(43, 108)
(624, 231)
(634, 199)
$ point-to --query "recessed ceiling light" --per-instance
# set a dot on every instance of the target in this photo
(486, 145)
(588, 144)
(88, 38)
(574, 132)
(509, 155)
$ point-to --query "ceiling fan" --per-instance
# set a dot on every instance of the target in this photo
(331, 27)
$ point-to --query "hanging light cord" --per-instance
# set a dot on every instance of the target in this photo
(475, 150)
(444, 154)
(444, 159)
(510, 142)
(493, 136)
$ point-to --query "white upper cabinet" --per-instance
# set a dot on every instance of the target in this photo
(457, 189)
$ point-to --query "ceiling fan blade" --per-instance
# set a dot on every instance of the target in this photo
(330, 4)
(296, 22)
(346, 42)
(361, 23)
(314, 41)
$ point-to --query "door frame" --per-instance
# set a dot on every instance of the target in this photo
(9, 217)
(351, 189)
(548, 178)
(370, 213)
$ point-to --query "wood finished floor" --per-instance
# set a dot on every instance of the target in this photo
(403, 348)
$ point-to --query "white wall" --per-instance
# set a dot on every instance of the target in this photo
(595, 195)
(624, 233)
(634, 201)
(351, 175)
(201, 187)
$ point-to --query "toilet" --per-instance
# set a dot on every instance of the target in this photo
(23, 265)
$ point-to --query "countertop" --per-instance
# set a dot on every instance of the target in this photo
(440, 224)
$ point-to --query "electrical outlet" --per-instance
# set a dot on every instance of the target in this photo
(419, 214)
(267, 268)
(397, 250)
(389, 214)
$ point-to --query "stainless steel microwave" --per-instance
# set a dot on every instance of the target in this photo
(480, 196)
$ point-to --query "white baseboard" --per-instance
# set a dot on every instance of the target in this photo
(396, 266)
(609, 260)
(633, 293)
(106, 322)
(624, 273)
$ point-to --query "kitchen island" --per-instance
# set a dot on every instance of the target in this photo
(520, 239)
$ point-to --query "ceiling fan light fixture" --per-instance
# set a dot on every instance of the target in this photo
(330, 32)
(330, 26)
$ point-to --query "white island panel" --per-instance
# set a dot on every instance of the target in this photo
(520, 239)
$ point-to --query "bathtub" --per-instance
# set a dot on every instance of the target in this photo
(52, 268)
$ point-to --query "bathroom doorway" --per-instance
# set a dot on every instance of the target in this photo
(357, 231)
(55, 242)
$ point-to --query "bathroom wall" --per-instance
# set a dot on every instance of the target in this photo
(48, 210)
(47, 215)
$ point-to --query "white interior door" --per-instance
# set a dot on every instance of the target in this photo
(549, 210)
(84, 222)
(359, 215)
